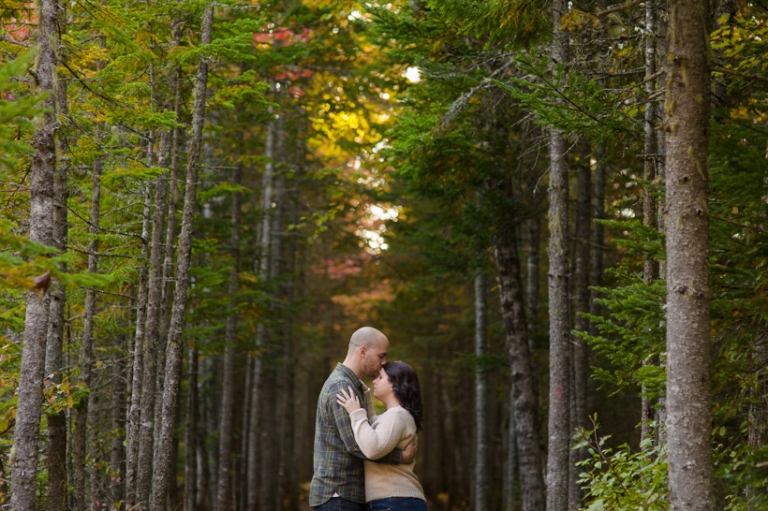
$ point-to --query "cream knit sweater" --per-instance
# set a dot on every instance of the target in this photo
(393, 428)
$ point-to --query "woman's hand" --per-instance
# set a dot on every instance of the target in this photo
(348, 401)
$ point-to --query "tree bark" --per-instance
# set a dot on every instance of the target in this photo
(650, 214)
(689, 412)
(191, 437)
(533, 227)
(254, 431)
(581, 306)
(134, 409)
(86, 349)
(481, 398)
(758, 406)
(162, 471)
(596, 265)
(224, 490)
(559, 318)
(524, 408)
(41, 214)
(54, 363)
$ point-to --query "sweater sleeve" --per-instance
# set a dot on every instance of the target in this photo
(378, 442)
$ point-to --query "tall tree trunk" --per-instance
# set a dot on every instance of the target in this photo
(559, 319)
(191, 438)
(135, 407)
(758, 406)
(224, 490)
(153, 342)
(254, 431)
(41, 214)
(596, 265)
(533, 228)
(689, 414)
(86, 350)
(162, 471)
(581, 306)
(650, 214)
(117, 451)
(509, 494)
(482, 468)
(148, 378)
(54, 361)
(524, 407)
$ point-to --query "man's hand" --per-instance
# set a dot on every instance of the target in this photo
(348, 401)
(409, 453)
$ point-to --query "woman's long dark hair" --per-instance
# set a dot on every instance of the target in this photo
(405, 385)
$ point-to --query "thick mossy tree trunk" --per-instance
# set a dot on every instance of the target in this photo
(41, 220)
(558, 277)
(163, 471)
(689, 413)
(524, 406)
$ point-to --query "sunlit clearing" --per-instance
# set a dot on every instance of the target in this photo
(412, 74)
(373, 226)
(628, 213)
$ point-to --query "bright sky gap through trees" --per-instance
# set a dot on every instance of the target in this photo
(554, 210)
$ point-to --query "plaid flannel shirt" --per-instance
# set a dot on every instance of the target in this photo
(338, 461)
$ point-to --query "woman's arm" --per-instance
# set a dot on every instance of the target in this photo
(376, 443)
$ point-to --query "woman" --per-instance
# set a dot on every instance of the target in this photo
(389, 487)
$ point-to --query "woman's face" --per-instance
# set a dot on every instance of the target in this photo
(382, 387)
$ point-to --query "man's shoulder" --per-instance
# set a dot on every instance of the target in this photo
(335, 381)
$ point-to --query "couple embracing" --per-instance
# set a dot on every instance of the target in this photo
(364, 461)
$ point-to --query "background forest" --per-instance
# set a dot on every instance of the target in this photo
(200, 201)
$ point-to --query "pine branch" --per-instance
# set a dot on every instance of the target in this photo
(11, 41)
(727, 71)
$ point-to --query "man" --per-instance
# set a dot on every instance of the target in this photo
(338, 483)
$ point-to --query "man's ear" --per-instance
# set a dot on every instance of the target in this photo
(363, 350)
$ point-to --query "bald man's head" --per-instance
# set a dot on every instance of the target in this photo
(367, 351)
(366, 336)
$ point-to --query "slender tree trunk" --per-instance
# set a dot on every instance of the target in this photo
(54, 364)
(581, 306)
(254, 463)
(135, 408)
(650, 214)
(163, 472)
(246, 435)
(191, 437)
(758, 407)
(559, 319)
(153, 342)
(689, 414)
(224, 490)
(41, 214)
(147, 388)
(596, 265)
(524, 409)
(86, 353)
(117, 451)
(481, 399)
(510, 495)
(533, 227)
